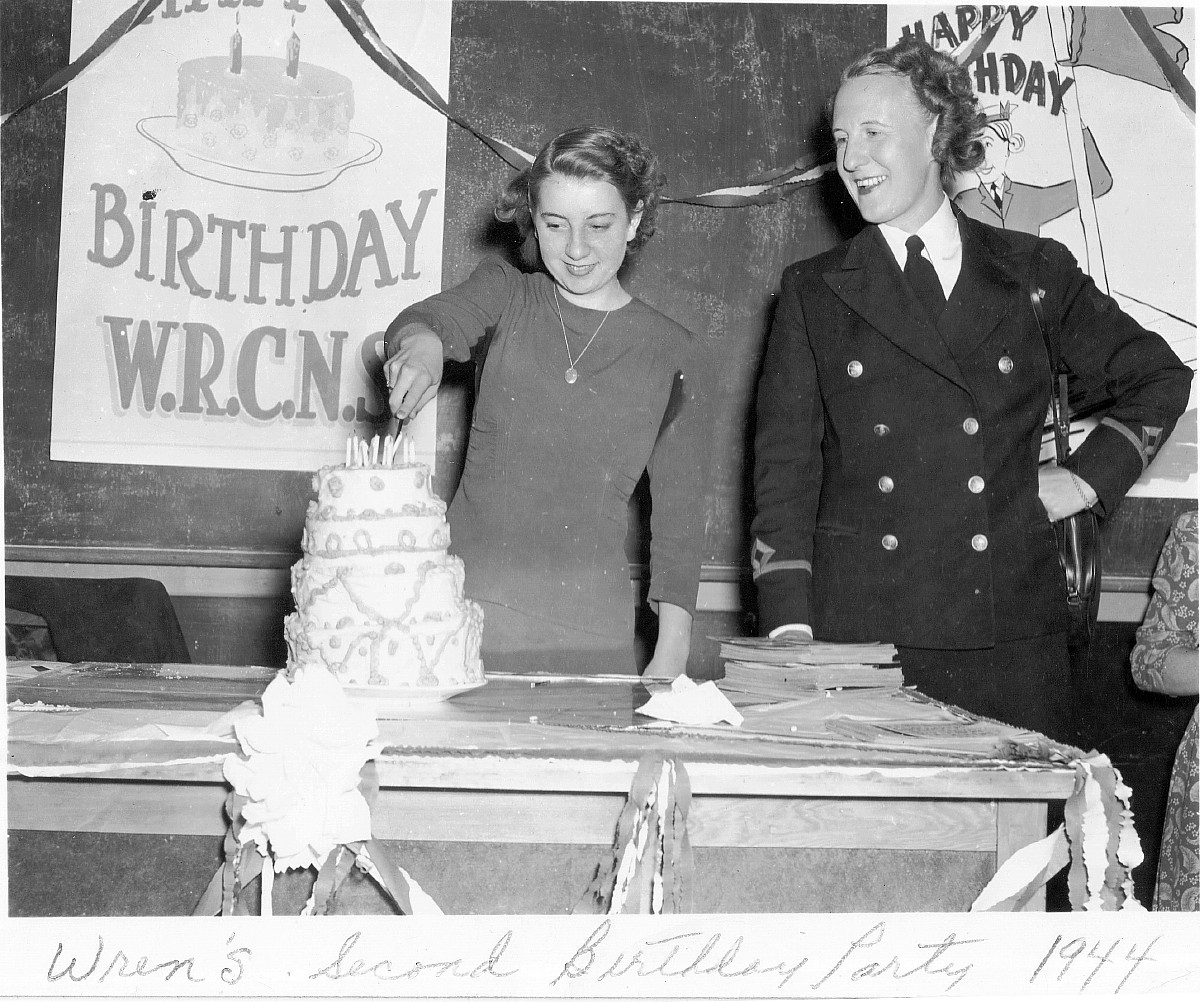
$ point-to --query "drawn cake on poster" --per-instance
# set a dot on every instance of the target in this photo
(261, 121)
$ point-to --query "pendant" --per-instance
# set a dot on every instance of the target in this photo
(572, 375)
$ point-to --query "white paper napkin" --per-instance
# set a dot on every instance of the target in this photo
(689, 703)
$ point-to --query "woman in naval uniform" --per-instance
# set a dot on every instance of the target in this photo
(901, 409)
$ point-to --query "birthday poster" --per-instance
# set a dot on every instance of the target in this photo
(248, 201)
(1090, 140)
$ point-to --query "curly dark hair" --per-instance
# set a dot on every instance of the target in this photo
(944, 89)
(587, 151)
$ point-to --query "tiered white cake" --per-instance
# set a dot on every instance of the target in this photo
(379, 601)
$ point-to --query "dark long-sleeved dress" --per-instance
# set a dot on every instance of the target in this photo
(1171, 622)
(541, 512)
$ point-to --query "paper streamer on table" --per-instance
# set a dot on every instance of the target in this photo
(1097, 841)
(303, 790)
(650, 870)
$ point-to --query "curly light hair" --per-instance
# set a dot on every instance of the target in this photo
(944, 90)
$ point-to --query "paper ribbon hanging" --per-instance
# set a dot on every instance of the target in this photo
(226, 893)
(769, 187)
(1097, 841)
(130, 19)
(650, 869)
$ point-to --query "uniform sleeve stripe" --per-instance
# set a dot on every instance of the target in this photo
(783, 565)
(1133, 439)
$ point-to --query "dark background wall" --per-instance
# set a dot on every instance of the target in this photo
(723, 92)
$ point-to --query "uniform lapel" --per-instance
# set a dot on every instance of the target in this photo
(984, 293)
(870, 282)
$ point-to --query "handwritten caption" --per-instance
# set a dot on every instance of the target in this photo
(880, 954)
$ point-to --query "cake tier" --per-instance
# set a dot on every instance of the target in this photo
(260, 117)
(334, 592)
(436, 652)
(376, 491)
(379, 536)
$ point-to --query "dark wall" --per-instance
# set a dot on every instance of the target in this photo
(721, 91)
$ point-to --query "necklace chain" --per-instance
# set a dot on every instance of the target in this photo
(572, 373)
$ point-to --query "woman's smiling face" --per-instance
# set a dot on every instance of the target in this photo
(884, 140)
(582, 228)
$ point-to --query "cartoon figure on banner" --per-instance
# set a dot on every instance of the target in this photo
(262, 122)
(998, 200)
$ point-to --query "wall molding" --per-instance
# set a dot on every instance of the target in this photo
(253, 574)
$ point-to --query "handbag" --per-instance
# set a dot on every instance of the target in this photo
(1078, 535)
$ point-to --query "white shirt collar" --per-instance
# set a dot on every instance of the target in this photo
(943, 244)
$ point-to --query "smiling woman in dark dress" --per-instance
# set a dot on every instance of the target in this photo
(584, 387)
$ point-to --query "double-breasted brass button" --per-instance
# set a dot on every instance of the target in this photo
(979, 542)
(886, 485)
(881, 430)
(890, 542)
(1005, 364)
(975, 485)
(970, 426)
(855, 368)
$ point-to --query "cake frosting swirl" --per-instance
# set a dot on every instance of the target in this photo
(379, 600)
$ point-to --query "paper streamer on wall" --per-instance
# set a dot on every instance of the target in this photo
(1097, 841)
(130, 19)
(766, 188)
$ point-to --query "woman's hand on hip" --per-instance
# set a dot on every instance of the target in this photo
(1062, 493)
(414, 371)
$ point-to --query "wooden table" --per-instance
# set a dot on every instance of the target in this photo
(507, 796)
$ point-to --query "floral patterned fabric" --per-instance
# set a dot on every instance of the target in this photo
(1171, 621)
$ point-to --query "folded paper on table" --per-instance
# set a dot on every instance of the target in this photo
(689, 703)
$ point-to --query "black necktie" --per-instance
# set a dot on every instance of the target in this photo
(923, 278)
(996, 196)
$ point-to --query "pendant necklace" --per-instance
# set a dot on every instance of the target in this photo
(572, 373)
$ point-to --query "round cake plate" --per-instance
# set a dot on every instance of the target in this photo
(384, 698)
(160, 130)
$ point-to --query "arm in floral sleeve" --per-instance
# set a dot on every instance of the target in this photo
(1164, 659)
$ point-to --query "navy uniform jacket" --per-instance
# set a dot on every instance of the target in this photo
(896, 461)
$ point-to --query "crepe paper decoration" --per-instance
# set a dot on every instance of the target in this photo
(651, 867)
(354, 19)
(1097, 841)
(130, 19)
(1024, 873)
(1105, 847)
(299, 769)
(770, 187)
(303, 788)
(688, 703)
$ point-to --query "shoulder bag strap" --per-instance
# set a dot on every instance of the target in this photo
(1058, 376)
